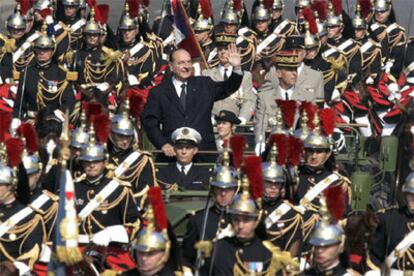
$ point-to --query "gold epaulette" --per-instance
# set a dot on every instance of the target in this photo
(124, 183)
(16, 75)
(80, 178)
(9, 43)
(383, 210)
(71, 76)
(51, 195)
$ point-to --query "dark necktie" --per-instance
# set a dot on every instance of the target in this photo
(183, 95)
(286, 96)
(183, 170)
(226, 77)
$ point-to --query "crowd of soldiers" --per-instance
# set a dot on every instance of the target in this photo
(77, 96)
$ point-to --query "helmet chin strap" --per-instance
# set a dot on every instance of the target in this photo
(5, 196)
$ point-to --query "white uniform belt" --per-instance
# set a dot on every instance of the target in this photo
(317, 189)
(366, 46)
(400, 249)
(38, 202)
(83, 239)
(281, 26)
(126, 163)
(345, 45)
(410, 67)
(136, 49)
(275, 216)
(14, 220)
(77, 25)
(272, 37)
(396, 272)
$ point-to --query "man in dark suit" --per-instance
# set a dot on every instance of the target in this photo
(184, 100)
(183, 173)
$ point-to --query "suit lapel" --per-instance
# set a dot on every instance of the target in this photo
(173, 96)
(191, 101)
(302, 77)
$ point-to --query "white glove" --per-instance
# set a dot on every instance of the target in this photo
(336, 95)
(259, 148)
(115, 233)
(373, 273)
(103, 86)
(132, 80)
(22, 267)
(369, 81)
(15, 123)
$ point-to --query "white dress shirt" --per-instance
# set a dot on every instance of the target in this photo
(222, 70)
(186, 167)
(177, 85)
(288, 91)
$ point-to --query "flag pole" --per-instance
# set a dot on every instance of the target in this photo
(187, 22)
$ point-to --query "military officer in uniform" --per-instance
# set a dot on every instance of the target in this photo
(242, 102)
(140, 172)
(73, 21)
(319, 167)
(246, 252)
(283, 222)
(261, 21)
(44, 83)
(388, 253)
(213, 223)
(22, 230)
(184, 173)
(154, 249)
(105, 205)
(327, 240)
(226, 121)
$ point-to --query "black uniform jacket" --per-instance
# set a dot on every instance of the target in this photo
(197, 178)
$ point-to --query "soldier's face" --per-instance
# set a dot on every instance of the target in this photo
(223, 55)
(326, 256)
(150, 262)
(262, 26)
(287, 77)
(70, 11)
(129, 35)
(316, 158)
(181, 65)
(122, 142)
(334, 32)
(359, 34)
(43, 55)
(243, 226)
(94, 168)
(230, 28)
(92, 39)
(276, 14)
(224, 129)
(311, 53)
(272, 190)
(202, 36)
(33, 180)
(223, 197)
(17, 33)
(382, 16)
(409, 197)
(185, 153)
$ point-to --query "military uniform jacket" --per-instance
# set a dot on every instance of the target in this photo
(165, 271)
(409, 60)
(164, 109)
(394, 224)
(371, 57)
(309, 87)
(233, 257)
(118, 208)
(197, 178)
(42, 86)
(216, 219)
(287, 230)
(338, 270)
(397, 40)
(242, 103)
(46, 205)
(25, 238)
(140, 174)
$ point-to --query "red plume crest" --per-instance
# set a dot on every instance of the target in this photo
(308, 14)
(296, 147)
(133, 7)
(45, 12)
(206, 9)
(237, 145)
(237, 4)
(321, 6)
(157, 203)
(92, 109)
(288, 109)
(5, 120)
(29, 133)
(327, 117)
(337, 6)
(366, 8)
(281, 141)
(102, 13)
(253, 170)
(310, 109)
(102, 125)
(268, 4)
(136, 103)
(25, 6)
(14, 151)
(335, 201)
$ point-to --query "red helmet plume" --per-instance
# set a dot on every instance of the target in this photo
(28, 131)
(102, 125)
(327, 117)
(335, 201)
(310, 18)
(157, 203)
(253, 169)
(206, 9)
(237, 145)
(321, 6)
(281, 141)
(288, 109)
(14, 151)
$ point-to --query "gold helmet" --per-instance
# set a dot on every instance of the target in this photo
(16, 21)
(204, 19)
(359, 22)
(121, 123)
(301, 4)
(31, 162)
(382, 5)
(278, 4)
(303, 132)
(316, 139)
(71, 3)
(334, 19)
(42, 4)
(272, 171)
(45, 41)
(30, 156)
(93, 150)
(261, 13)
(311, 40)
(408, 186)
(229, 14)
(127, 22)
(80, 136)
(326, 232)
(278, 126)
(322, 28)
(224, 175)
(248, 203)
(154, 236)
(92, 26)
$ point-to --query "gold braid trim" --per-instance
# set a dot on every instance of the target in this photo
(281, 260)
(308, 226)
(31, 256)
(43, 99)
(294, 222)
